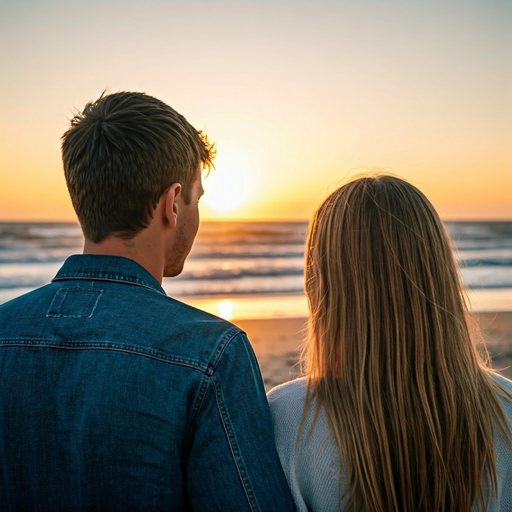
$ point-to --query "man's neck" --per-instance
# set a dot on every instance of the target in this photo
(141, 249)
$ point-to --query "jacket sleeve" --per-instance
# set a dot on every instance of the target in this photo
(233, 463)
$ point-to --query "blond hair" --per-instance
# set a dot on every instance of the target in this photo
(390, 358)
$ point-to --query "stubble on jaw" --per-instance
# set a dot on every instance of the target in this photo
(179, 252)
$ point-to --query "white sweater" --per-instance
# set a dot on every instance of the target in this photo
(313, 470)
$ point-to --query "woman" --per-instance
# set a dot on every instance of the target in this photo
(398, 412)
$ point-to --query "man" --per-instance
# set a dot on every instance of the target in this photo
(114, 395)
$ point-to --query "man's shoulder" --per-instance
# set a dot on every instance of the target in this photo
(10, 309)
(131, 318)
(194, 322)
(193, 333)
(175, 315)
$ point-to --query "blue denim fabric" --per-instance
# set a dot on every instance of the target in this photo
(117, 397)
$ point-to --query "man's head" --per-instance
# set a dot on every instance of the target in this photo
(121, 154)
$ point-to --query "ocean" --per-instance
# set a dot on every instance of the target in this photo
(258, 263)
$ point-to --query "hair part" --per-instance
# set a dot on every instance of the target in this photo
(390, 357)
(120, 155)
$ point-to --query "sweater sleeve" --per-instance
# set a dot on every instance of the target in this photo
(286, 407)
(503, 500)
(311, 465)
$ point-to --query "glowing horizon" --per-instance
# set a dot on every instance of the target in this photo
(297, 97)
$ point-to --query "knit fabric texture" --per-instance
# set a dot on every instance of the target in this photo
(312, 468)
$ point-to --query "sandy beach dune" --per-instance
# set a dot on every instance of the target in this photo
(278, 343)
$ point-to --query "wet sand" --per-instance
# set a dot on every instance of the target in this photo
(278, 344)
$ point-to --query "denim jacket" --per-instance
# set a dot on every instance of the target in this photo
(117, 397)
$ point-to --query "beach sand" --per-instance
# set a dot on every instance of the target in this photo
(278, 343)
(497, 332)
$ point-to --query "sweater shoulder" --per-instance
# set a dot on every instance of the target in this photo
(293, 392)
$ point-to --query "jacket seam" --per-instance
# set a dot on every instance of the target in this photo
(108, 346)
(112, 279)
(198, 405)
(223, 347)
(233, 447)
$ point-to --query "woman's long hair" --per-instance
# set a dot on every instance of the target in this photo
(390, 358)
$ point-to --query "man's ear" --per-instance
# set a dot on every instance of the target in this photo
(171, 204)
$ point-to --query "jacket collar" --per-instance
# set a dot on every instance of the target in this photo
(99, 267)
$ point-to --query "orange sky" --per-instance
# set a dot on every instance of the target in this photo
(296, 95)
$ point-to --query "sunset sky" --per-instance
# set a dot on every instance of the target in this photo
(297, 95)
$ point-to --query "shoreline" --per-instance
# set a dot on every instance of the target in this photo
(294, 304)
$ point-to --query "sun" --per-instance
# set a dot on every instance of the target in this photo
(227, 188)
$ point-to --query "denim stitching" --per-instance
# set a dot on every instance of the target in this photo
(221, 348)
(96, 275)
(73, 289)
(198, 404)
(226, 424)
(199, 400)
(111, 279)
(107, 345)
